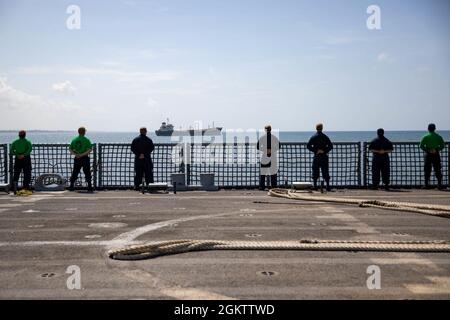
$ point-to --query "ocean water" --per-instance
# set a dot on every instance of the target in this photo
(56, 137)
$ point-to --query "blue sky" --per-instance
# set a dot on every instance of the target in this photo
(241, 64)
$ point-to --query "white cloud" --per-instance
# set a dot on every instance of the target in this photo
(343, 40)
(65, 87)
(124, 76)
(326, 57)
(119, 75)
(110, 63)
(154, 6)
(35, 70)
(423, 70)
(20, 109)
(384, 57)
(149, 53)
(145, 54)
(130, 3)
(212, 72)
(151, 102)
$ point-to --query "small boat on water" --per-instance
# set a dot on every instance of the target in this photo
(167, 129)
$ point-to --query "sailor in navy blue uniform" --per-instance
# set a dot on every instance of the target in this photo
(381, 147)
(320, 145)
(142, 147)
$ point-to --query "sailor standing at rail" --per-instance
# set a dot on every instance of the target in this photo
(381, 147)
(142, 147)
(81, 147)
(21, 149)
(320, 145)
(432, 144)
(268, 145)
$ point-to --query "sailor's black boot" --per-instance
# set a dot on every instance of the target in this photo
(440, 186)
(427, 185)
(315, 185)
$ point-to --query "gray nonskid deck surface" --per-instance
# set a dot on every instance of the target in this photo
(42, 235)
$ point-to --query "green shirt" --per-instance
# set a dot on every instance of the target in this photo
(80, 144)
(432, 141)
(21, 146)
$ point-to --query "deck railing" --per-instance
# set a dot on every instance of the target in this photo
(407, 165)
(3, 163)
(235, 165)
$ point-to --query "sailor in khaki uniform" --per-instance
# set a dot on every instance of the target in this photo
(268, 145)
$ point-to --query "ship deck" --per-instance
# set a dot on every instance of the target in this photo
(43, 234)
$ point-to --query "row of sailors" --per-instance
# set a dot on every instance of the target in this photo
(319, 144)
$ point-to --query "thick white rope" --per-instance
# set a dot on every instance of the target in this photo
(428, 209)
(156, 249)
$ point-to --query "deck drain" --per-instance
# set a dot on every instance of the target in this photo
(253, 235)
(107, 225)
(134, 203)
(179, 208)
(267, 273)
(247, 210)
(246, 215)
(48, 275)
(71, 209)
(119, 216)
(93, 236)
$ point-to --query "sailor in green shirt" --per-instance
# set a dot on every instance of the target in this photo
(81, 147)
(21, 149)
(432, 144)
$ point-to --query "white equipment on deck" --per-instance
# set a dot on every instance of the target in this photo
(5, 187)
(302, 185)
(50, 182)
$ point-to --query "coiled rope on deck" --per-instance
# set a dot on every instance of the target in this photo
(428, 209)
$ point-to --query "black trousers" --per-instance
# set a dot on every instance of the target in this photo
(433, 161)
(320, 163)
(143, 167)
(273, 181)
(381, 164)
(25, 166)
(78, 164)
